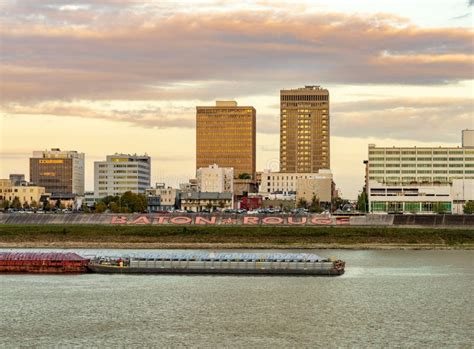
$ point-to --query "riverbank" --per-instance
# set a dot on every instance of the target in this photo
(233, 237)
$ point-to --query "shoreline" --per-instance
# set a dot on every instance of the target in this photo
(231, 246)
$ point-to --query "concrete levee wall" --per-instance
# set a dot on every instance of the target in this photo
(244, 220)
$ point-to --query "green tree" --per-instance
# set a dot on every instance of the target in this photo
(47, 206)
(34, 205)
(58, 203)
(245, 176)
(100, 207)
(438, 208)
(302, 203)
(85, 208)
(26, 205)
(114, 207)
(362, 202)
(16, 204)
(6, 204)
(315, 206)
(469, 207)
(127, 200)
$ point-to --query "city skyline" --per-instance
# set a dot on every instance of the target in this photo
(135, 90)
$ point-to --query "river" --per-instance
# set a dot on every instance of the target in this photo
(398, 299)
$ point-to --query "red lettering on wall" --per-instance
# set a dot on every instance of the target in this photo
(141, 220)
(250, 220)
(202, 220)
(181, 220)
(342, 220)
(118, 220)
(321, 220)
(160, 220)
(272, 220)
(291, 221)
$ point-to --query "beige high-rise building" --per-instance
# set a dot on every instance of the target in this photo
(304, 130)
(226, 136)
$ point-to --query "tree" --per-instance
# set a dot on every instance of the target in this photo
(34, 205)
(85, 208)
(58, 203)
(362, 202)
(221, 204)
(302, 203)
(114, 207)
(315, 206)
(6, 204)
(26, 206)
(469, 207)
(245, 176)
(209, 206)
(47, 206)
(100, 207)
(16, 204)
(439, 208)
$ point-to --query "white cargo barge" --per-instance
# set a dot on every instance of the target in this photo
(221, 263)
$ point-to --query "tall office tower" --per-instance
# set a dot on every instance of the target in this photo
(60, 172)
(226, 136)
(121, 173)
(304, 130)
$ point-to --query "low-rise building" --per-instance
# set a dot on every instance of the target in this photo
(25, 193)
(277, 185)
(215, 179)
(242, 189)
(205, 201)
(162, 198)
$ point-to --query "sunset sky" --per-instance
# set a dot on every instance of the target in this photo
(125, 76)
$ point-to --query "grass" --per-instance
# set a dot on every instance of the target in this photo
(275, 236)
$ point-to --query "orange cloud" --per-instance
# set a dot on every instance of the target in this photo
(135, 55)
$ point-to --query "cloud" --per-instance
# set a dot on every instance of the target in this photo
(430, 119)
(180, 117)
(126, 51)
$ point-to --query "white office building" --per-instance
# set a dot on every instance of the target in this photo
(121, 173)
(215, 179)
(413, 179)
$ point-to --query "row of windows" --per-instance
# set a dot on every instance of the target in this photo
(420, 159)
(305, 98)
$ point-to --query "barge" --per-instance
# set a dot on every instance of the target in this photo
(221, 263)
(50, 262)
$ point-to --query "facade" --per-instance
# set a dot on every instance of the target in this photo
(468, 138)
(60, 172)
(18, 179)
(199, 201)
(215, 179)
(226, 136)
(25, 193)
(278, 185)
(412, 179)
(321, 188)
(168, 198)
(120, 173)
(304, 130)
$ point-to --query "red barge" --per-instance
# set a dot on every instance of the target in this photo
(46, 262)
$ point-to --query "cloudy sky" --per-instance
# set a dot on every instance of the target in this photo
(125, 75)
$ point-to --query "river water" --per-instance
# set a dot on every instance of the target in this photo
(399, 299)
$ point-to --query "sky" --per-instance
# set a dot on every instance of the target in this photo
(125, 76)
